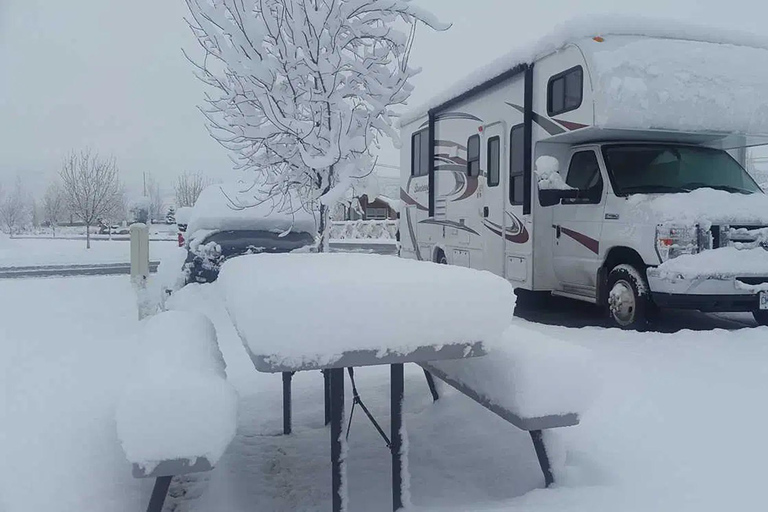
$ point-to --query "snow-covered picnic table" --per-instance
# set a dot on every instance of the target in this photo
(335, 311)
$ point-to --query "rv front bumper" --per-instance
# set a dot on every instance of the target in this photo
(706, 292)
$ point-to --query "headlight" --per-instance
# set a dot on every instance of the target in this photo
(675, 240)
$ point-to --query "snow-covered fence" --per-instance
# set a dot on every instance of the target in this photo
(178, 413)
(364, 230)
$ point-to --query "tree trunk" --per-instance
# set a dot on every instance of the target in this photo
(87, 236)
(53, 228)
(324, 228)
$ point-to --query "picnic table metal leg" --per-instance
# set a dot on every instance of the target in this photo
(396, 396)
(327, 391)
(337, 427)
(432, 387)
(287, 376)
(541, 454)
(159, 492)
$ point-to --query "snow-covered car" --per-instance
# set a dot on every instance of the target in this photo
(227, 222)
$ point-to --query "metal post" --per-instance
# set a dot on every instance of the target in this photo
(541, 454)
(397, 386)
(432, 387)
(337, 427)
(159, 492)
(327, 394)
(287, 402)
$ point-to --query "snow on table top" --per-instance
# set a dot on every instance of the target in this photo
(241, 206)
(659, 29)
(311, 309)
(179, 405)
(703, 206)
(530, 374)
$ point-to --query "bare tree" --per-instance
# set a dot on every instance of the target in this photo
(156, 210)
(188, 187)
(306, 89)
(14, 209)
(54, 208)
(91, 187)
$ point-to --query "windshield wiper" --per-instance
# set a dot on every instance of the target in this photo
(650, 189)
(727, 188)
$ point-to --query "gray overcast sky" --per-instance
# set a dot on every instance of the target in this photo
(110, 74)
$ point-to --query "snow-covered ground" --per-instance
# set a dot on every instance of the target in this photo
(677, 425)
(18, 252)
(64, 353)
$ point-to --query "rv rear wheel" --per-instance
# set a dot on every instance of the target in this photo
(761, 316)
(628, 302)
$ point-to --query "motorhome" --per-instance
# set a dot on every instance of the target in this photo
(605, 167)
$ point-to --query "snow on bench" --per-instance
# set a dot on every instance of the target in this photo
(309, 311)
(532, 380)
(178, 414)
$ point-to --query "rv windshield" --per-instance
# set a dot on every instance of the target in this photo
(664, 168)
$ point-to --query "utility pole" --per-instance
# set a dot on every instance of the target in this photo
(144, 174)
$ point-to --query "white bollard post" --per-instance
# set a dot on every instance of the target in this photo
(140, 263)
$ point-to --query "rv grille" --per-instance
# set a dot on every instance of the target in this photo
(726, 235)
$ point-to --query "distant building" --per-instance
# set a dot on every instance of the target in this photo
(377, 199)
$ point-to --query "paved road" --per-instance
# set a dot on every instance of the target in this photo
(573, 313)
(96, 269)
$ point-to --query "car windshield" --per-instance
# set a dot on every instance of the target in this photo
(664, 168)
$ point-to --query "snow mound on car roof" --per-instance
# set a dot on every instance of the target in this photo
(239, 206)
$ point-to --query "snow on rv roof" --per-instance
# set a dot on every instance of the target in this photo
(581, 28)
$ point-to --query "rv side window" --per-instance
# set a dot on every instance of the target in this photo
(473, 156)
(420, 153)
(516, 164)
(565, 90)
(584, 174)
(494, 152)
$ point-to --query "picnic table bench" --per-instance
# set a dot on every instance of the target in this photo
(178, 413)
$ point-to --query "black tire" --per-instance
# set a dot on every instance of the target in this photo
(627, 297)
(761, 316)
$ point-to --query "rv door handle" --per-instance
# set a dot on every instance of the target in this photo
(485, 211)
(557, 231)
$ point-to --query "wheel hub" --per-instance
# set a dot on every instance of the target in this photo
(622, 303)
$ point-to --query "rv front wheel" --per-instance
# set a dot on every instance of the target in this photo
(627, 297)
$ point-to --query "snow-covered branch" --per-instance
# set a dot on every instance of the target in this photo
(305, 89)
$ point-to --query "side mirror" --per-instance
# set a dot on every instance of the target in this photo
(551, 197)
(552, 188)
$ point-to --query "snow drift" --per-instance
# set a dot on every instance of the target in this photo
(178, 404)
